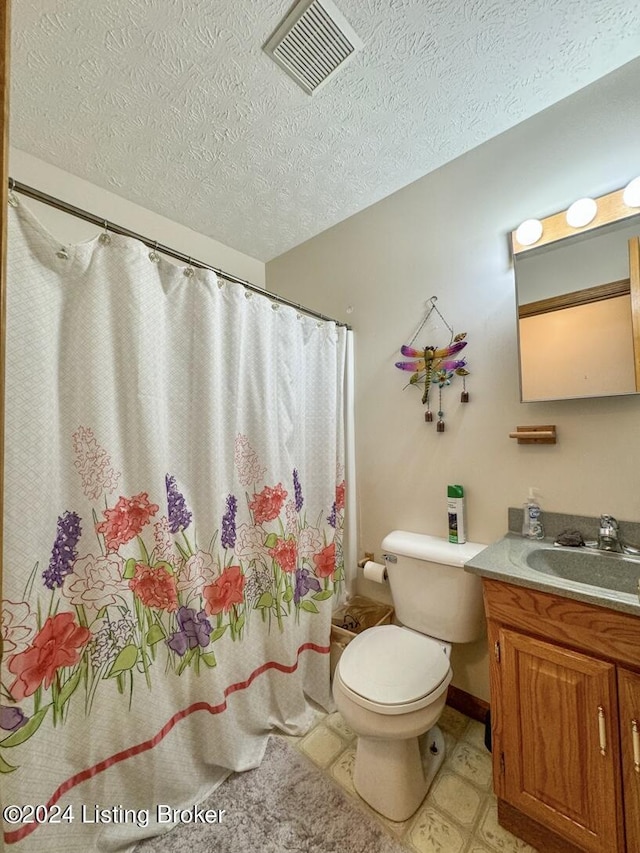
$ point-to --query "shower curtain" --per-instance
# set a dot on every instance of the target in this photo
(175, 505)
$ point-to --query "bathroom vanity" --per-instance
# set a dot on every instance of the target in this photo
(565, 695)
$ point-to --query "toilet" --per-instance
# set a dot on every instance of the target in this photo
(391, 681)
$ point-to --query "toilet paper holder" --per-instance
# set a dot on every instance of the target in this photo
(367, 556)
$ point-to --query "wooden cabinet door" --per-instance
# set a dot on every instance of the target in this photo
(559, 741)
(629, 701)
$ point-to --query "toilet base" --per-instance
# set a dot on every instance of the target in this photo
(393, 776)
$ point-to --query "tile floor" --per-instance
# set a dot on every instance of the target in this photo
(459, 812)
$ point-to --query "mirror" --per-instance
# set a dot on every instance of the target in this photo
(578, 300)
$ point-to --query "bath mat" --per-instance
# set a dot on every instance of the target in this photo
(286, 805)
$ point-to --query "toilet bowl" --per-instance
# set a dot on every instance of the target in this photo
(390, 687)
(391, 681)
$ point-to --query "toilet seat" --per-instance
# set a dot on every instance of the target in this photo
(392, 670)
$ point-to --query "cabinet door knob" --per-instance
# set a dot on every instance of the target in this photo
(635, 738)
(602, 730)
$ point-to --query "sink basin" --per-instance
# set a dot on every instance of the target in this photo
(617, 572)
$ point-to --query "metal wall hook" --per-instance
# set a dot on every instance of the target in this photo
(11, 197)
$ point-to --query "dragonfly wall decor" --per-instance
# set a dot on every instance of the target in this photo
(432, 366)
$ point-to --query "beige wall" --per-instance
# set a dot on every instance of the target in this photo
(446, 235)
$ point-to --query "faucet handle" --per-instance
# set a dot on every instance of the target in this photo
(608, 521)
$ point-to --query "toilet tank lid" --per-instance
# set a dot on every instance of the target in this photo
(430, 548)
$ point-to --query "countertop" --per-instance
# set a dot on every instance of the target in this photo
(506, 560)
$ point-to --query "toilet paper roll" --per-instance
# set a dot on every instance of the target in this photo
(375, 572)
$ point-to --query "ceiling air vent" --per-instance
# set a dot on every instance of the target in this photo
(312, 43)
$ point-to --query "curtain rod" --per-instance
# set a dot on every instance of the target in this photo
(17, 186)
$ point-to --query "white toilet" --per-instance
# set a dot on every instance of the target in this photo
(391, 682)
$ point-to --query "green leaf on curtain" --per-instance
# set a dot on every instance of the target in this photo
(265, 600)
(155, 634)
(186, 661)
(126, 660)
(323, 595)
(309, 606)
(288, 594)
(209, 658)
(27, 730)
(218, 633)
(67, 689)
(129, 569)
(239, 624)
(271, 541)
(163, 564)
(5, 767)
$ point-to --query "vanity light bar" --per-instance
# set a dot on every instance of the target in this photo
(608, 208)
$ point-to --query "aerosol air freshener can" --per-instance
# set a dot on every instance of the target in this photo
(455, 511)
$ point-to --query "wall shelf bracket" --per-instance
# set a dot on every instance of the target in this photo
(535, 434)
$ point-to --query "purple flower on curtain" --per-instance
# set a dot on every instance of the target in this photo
(179, 515)
(297, 490)
(228, 536)
(64, 551)
(304, 583)
(195, 630)
(332, 517)
(12, 718)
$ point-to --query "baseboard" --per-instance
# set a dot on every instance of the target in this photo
(467, 704)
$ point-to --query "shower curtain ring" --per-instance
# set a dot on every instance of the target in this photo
(154, 257)
(105, 237)
(189, 270)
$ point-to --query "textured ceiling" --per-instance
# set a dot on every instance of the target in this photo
(174, 105)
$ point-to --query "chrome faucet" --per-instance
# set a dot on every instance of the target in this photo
(609, 535)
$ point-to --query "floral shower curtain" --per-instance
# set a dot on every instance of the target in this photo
(174, 496)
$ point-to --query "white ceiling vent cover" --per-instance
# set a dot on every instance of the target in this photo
(312, 43)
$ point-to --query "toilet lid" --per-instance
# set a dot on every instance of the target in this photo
(390, 665)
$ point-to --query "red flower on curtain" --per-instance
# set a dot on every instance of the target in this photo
(266, 505)
(285, 553)
(325, 561)
(56, 645)
(340, 495)
(225, 591)
(155, 587)
(126, 520)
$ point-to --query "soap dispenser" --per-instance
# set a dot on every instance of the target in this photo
(532, 521)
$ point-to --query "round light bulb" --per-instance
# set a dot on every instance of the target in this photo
(581, 212)
(631, 194)
(529, 232)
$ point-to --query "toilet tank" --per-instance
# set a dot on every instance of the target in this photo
(431, 591)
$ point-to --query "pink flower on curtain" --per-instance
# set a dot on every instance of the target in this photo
(154, 587)
(93, 464)
(56, 645)
(126, 520)
(95, 582)
(17, 626)
(309, 542)
(291, 514)
(285, 553)
(247, 463)
(340, 495)
(249, 542)
(226, 591)
(198, 571)
(325, 561)
(165, 548)
(266, 505)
